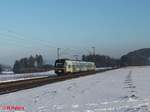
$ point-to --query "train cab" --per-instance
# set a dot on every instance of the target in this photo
(60, 66)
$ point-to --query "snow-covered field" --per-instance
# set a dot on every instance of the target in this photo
(121, 90)
(10, 76)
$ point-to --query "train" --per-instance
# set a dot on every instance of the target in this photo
(67, 66)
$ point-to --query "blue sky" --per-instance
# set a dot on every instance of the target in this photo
(114, 27)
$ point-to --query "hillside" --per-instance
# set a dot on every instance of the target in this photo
(136, 58)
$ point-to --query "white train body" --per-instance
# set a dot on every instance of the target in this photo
(64, 66)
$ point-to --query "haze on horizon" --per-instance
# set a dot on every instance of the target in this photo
(113, 27)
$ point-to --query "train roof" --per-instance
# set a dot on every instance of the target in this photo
(66, 59)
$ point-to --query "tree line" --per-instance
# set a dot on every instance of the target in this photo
(135, 58)
(36, 64)
(139, 57)
(31, 64)
(101, 60)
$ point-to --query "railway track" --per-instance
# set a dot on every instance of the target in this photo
(8, 87)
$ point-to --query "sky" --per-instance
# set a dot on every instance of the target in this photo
(113, 27)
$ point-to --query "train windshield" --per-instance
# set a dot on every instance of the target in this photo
(59, 65)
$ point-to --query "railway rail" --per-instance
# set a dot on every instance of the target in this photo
(8, 87)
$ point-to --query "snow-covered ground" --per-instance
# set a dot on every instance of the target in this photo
(10, 76)
(104, 68)
(121, 90)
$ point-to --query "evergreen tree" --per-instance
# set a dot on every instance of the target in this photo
(31, 62)
(39, 60)
(17, 67)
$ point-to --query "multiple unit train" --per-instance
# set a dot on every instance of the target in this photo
(66, 66)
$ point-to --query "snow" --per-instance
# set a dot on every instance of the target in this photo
(120, 90)
(21, 79)
(7, 72)
(103, 68)
(9, 76)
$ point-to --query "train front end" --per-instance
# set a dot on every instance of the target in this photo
(60, 66)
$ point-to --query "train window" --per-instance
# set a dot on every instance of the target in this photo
(59, 65)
